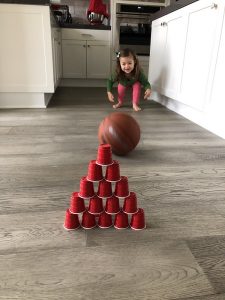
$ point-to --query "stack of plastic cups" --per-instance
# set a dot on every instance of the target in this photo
(130, 205)
(112, 188)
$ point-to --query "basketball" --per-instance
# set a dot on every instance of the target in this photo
(121, 131)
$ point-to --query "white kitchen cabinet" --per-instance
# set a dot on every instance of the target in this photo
(29, 56)
(202, 41)
(201, 65)
(166, 55)
(86, 53)
(183, 45)
(26, 49)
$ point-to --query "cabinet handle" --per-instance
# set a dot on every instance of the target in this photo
(163, 24)
(84, 46)
(214, 6)
(88, 46)
(86, 35)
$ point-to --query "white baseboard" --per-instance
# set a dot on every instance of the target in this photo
(24, 100)
(212, 120)
(70, 82)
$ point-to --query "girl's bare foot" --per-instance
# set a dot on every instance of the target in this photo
(117, 105)
(136, 107)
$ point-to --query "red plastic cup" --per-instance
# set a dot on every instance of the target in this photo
(94, 171)
(130, 204)
(105, 220)
(104, 189)
(86, 188)
(95, 205)
(121, 188)
(121, 220)
(112, 205)
(138, 220)
(71, 221)
(88, 220)
(77, 205)
(104, 156)
(113, 172)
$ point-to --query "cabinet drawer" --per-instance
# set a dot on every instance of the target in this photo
(85, 34)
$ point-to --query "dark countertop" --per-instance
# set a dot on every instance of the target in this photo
(36, 2)
(175, 6)
(85, 26)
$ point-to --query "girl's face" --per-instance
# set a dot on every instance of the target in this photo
(127, 64)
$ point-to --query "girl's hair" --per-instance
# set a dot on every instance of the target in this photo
(120, 75)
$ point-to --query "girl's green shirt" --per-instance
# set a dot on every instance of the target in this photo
(128, 81)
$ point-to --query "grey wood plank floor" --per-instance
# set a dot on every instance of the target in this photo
(177, 171)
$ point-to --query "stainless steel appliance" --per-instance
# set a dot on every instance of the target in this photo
(133, 27)
(61, 13)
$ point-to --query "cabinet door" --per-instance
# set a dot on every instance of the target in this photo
(217, 102)
(98, 59)
(201, 42)
(74, 59)
(175, 27)
(156, 64)
(166, 55)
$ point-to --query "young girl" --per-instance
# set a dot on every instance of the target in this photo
(128, 74)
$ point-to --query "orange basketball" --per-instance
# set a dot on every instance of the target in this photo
(121, 131)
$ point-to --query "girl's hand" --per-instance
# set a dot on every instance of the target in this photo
(147, 94)
(110, 96)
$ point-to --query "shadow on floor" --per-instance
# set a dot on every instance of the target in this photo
(72, 96)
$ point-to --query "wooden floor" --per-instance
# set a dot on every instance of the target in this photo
(177, 172)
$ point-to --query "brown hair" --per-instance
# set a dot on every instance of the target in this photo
(120, 75)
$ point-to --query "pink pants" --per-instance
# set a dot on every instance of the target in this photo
(136, 92)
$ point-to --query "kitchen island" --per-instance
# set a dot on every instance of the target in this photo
(187, 62)
(29, 53)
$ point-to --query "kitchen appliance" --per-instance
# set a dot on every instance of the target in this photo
(95, 18)
(133, 27)
(61, 13)
(96, 12)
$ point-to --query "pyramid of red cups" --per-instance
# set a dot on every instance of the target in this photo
(104, 199)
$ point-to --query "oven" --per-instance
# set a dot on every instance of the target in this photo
(133, 27)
